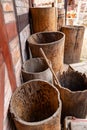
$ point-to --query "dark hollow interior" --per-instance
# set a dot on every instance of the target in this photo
(35, 102)
(47, 37)
(73, 81)
(35, 65)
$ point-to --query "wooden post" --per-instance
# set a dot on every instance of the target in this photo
(5, 58)
(65, 5)
(6, 51)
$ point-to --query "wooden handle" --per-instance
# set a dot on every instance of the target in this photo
(44, 56)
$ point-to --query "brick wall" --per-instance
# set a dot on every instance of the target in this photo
(22, 13)
(10, 20)
(18, 30)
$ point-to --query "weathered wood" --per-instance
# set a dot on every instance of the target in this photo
(73, 43)
(44, 19)
(61, 18)
(73, 93)
(6, 51)
(53, 45)
(5, 58)
(36, 68)
(36, 105)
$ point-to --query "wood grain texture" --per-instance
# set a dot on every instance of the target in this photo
(44, 19)
(73, 93)
(5, 58)
(73, 43)
(43, 106)
(52, 44)
(5, 50)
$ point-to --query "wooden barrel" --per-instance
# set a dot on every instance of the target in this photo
(61, 18)
(43, 19)
(36, 68)
(73, 43)
(36, 105)
(73, 93)
(53, 45)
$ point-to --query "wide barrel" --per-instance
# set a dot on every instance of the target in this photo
(73, 93)
(53, 45)
(36, 105)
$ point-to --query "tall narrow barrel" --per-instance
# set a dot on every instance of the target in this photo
(44, 19)
(73, 43)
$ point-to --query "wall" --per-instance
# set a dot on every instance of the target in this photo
(16, 17)
(43, 2)
(22, 14)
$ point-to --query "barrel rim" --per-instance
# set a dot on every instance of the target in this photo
(42, 8)
(37, 73)
(58, 111)
(45, 44)
(73, 27)
(73, 92)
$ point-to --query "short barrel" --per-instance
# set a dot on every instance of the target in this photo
(36, 105)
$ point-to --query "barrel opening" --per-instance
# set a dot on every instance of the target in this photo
(46, 38)
(35, 65)
(74, 81)
(35, 101)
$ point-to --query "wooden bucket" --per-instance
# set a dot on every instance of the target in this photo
(53, 45)
(44, 19)
(36, 105)
(73, 43)
(61, 18)
(73, 93)
(36, 68)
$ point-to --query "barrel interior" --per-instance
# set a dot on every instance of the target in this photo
(40, 99)
(45, 38)
(74, 81)
(35, 65)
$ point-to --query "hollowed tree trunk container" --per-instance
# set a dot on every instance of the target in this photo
(44, 19)
(53, 45)
(36, 105)
(36, 68)
(73, 92)
(73, 43)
